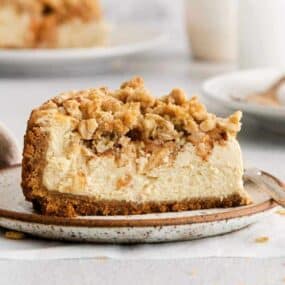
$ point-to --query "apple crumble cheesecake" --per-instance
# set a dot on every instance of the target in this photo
(103, 152)
(51, 24)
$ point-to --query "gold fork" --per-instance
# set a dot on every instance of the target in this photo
(268, 97)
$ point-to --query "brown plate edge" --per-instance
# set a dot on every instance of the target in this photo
(152, 222)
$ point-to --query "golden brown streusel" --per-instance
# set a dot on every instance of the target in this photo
(131, 114)
(44, 17)
(60, 9)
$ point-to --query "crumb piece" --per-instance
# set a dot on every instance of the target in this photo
(87, 128)
(123, 181)
(193, 273)
(232, 123)
(72, 108)
(14, 235)
(262, 239)
(280, 212)
(102, 259)
(209, 124)
(176, 96)
(135, 82)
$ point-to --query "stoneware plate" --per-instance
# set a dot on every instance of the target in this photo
(124, 41)
(17, 214)
(224, 88)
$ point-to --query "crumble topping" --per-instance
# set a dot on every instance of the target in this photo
(51, 23)
(130, 119)
(61, 9)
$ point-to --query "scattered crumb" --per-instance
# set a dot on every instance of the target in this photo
(14, 235)
(262, 239)
(281, 212)
(192, 273)
(102, 258)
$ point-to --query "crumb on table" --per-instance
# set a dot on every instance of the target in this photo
(14, 235)
(262, 239)
(281, 212)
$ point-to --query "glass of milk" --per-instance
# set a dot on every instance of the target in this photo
(212, 29)
(261, 33)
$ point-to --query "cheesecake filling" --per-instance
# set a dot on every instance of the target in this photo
(51, 24)
(187, 176)
(15, 28)
(76, 33)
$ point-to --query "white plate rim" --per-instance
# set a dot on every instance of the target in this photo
(253, 109)
(78, 54)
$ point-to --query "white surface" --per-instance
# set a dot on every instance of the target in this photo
(261, 33)
(243, 83)
(190, 271)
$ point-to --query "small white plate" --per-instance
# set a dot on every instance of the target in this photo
(223, 88)
(125, 40)
(17, 214)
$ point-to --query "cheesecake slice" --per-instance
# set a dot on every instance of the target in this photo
(51, 24)
(103, 152)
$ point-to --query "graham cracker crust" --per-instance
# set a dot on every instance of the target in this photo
(66, 205)
(35, 146)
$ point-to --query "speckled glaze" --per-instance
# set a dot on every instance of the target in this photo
(17, 214)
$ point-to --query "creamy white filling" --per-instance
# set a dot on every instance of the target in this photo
(71, 168)
(15, 31)
(76, 33)
(14, 27)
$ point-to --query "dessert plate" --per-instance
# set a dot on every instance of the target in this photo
(125, 40)
(225, 89)
(17, 214)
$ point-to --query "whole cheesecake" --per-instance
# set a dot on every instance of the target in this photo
(51, 24)
(103, 152)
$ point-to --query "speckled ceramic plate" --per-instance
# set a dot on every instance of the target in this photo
(17, 214)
